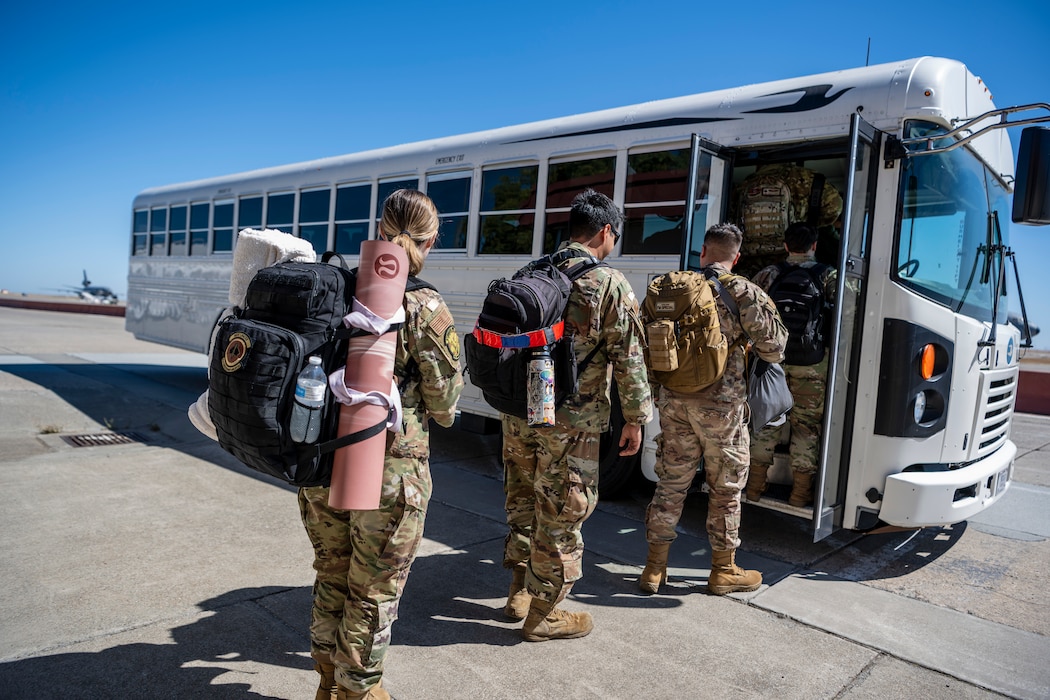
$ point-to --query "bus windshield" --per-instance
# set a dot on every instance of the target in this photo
(950, 244)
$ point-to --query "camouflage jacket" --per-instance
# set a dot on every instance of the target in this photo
(426, 364)
(758, 322)
(602, 306)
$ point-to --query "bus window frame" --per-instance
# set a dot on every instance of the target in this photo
(565, 159)
(327, 221)
(215, 204)
(366, 220)
(444, 176)
(539, 198)
(206, 243)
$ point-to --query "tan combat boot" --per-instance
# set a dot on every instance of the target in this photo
(326, 689)
(727, 577)
(542, 624)
(518, 598)
(655, 571)
(376, 692)
(801, 490)
(756, 481)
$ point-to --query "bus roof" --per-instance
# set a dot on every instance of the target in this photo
(795, 109)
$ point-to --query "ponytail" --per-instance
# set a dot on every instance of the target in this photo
(410, 220)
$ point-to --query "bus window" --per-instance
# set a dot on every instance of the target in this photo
(279, 208)
(508, 210)
(222, 239)
(313, 217)
(564, 182)
(139, 229)
(177, 227)
(158, 231)
(942, 253)
(249, 213)
(351, 217)
(655, 202)
(199, 215)
(451, 195)
(388, 186)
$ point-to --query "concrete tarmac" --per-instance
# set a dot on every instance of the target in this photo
(141, 561)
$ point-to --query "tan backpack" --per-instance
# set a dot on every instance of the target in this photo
(687, 350)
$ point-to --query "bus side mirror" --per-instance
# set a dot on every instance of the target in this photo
(1032, 191)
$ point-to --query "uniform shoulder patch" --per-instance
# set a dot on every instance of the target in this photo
(442, 329)
(452, 342)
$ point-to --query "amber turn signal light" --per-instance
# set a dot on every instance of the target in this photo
(926, 361)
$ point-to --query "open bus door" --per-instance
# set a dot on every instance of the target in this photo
(707, 198)
(843, 365)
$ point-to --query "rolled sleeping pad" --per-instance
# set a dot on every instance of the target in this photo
(357, 469)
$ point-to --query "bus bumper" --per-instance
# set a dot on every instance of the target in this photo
(921, 499)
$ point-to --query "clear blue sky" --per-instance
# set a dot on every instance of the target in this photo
(99, 101)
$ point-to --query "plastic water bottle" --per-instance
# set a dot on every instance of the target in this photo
(310, 387)
(541, 388)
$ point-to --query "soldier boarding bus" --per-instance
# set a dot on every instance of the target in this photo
(905, 168)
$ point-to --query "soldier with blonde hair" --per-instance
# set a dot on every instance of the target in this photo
(362, 557)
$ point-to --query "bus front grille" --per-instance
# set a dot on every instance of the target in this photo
(998, 407)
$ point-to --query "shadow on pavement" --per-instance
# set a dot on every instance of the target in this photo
(238, 637)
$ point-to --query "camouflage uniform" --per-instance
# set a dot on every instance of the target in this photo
(712, 424)
(764, 244)
(807, 384)
(551, 473)
(362, 557)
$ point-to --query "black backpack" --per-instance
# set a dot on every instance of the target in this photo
(292, 311)
(799, 295)
(519, 314)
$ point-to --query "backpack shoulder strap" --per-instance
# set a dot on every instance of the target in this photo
(783, 268)
(415, 283)
(716, 281)
(573, 272)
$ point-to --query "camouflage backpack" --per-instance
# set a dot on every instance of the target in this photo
(687, 350)
(766, 210)
(769, 200)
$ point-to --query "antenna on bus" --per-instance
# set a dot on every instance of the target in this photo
(867, 58)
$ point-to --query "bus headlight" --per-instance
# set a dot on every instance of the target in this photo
(919, 409)
(915, 379)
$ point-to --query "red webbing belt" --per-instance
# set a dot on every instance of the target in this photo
(532, 339)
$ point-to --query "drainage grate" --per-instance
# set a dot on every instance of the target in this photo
(101, 439)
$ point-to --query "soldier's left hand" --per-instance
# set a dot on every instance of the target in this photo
(630, 439)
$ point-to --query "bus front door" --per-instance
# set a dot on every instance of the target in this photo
(707, 198)
(843, 366)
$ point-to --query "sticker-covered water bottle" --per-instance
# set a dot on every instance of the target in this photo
(541, 388)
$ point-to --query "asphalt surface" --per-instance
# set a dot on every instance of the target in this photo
(161, 568)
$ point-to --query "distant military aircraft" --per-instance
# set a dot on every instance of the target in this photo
(96, 294)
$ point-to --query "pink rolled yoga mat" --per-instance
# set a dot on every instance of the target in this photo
(357, 469)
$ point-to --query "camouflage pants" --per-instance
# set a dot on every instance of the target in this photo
(807, 385)
(691, 430)
(551, 485)
(362, 559)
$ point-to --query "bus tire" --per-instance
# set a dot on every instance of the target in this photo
(616, 474)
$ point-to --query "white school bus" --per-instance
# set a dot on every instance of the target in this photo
(923, 365)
